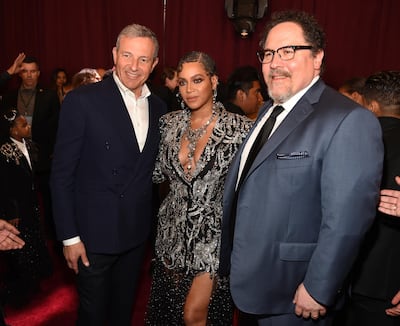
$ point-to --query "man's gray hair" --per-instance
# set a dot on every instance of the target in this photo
(136, 30)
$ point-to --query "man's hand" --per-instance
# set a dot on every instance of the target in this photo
(9, 237)
(306, 306)
(16, 66)
(390, 201)
(73, 253)
(394, 311)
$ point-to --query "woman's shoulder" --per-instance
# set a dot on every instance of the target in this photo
(173, 117)
(235, 122)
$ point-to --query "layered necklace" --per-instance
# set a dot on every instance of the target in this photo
(193, 136)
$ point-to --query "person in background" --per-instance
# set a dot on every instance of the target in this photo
(101, 179)
(9, 240)
(243, 91)
(168, 91)
(40, 107)
(197, 145)
(296, 202)
(352, 89)
(19, 206)
(390, 200)
(59, 79)
(14, 69)
(101, 72)
(83, 78)
(92, 71)
(375, 281)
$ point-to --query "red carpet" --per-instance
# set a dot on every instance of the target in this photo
(56, 303)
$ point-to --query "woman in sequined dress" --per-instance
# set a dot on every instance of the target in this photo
(19, 205)
(197, 146)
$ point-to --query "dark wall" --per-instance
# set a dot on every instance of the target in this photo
(362, 34)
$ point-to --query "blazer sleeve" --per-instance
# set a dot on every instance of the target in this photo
(350, 180)
(67, 153)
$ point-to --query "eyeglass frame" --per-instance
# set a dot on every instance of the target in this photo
(293, 47)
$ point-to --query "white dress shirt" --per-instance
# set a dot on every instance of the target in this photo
(22, 147)
(138, 109)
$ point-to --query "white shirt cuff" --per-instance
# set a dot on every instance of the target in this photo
(72, 241)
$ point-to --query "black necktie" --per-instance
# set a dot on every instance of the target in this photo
(255, 148)
(260, 140)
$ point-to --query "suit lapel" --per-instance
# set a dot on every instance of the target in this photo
(153, 124)
(297, 115)
(117, 114)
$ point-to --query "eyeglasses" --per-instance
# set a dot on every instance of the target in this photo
(285, 53)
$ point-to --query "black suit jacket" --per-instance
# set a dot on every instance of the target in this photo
(101, 182)
(44, 122)
(377, 270)
(18, 198)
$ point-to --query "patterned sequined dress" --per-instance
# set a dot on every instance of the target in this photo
(189, 218)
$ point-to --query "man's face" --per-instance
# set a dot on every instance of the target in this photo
(134, 61)
(252, 100)
(286, 78)
(29, 74)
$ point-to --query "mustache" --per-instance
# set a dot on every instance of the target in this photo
(278, 72)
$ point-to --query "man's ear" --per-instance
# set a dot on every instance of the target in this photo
(374, 107)
(241, 95)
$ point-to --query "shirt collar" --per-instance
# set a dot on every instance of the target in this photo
(17, 142)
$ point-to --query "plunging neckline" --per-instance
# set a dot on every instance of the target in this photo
(200, 161)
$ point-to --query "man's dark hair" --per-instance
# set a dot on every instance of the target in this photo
(313, 32)
(168, 72)
(31, 59)
(383, 87)
(352, 85)
(241, 78)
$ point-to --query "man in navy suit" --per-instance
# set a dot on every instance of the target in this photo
(101, 179)
(294, 221)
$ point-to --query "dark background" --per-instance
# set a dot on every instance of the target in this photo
(363, 35)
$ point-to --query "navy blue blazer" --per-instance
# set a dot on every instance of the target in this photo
(101, 182)
(305, 205)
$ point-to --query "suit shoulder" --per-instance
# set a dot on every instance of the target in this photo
(157, 104)
(338, 104)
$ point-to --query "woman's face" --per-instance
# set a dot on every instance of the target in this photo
(61, 79)
(196, 86)
(21, 129)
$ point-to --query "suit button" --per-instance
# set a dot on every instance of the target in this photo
(121, 196)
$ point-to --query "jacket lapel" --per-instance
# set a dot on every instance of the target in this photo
(297, 115)
(117, 114)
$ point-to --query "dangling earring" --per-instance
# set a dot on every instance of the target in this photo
(215, 93)
(180, 100)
